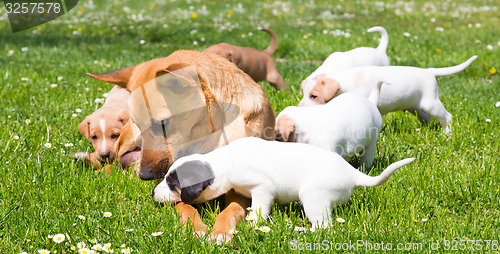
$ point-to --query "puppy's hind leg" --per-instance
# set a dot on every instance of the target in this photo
(275, 78)
(436, 110)
(317, 207)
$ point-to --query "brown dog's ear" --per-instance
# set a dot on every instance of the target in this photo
(118, 77)
(285, 127)
(84, 128)
(327, 88)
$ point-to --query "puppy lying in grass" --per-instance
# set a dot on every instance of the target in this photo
(405, 88)
(339, 61)
(268, 171)
(103, 128)
(349, 124)
(256, 63)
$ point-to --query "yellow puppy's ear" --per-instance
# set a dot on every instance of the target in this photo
(118, 77)
(285, 127)
(84, 127)
(327, 87)
(124, 116)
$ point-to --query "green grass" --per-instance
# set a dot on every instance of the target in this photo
(454, 183)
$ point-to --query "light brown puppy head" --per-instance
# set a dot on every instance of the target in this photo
(162, 90)
(103, 128)
(318, 90)
(285, 128)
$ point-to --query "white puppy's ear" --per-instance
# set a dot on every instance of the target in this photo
(285, 128)
(84, 127)
(191, 178)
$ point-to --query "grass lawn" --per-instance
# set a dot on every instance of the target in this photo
(447, 199)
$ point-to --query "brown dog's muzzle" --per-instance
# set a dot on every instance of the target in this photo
(154, 164)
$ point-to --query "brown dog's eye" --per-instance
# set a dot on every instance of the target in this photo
(115, 136)
(313, 97)
(94, 137)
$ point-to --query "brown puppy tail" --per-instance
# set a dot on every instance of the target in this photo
(274, 41)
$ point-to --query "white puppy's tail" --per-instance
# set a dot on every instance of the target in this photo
(450, 70)
(372, 181)
(384, 37)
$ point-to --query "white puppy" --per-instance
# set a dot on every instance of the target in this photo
(362, 56)
(347, 125)
(405, 88)
(266, 171)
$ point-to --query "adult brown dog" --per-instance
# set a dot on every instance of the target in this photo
(222, 83)
(256, 63)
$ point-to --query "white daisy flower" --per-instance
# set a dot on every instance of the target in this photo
(15, 137)
(488, 120)
(127, 250)
(107, 246)
(107, 214)
(43, 251)
(97, 247)
(10, 53)
(233, 231)
(406, 34)
(81, 245)
(105, 95)
(425, 219)
(25, 79)
(497, 104)
(84, 251)
(59, 238)
(439, 29)
(48, 145)
(157, 233)
(27, 121)
(53, 85)
(490, 47)
(59, 78)
(129, 230)
(264, 229)
(71, 145)
(109, 251)
(74, 115)
(24, 49)
(142, 42)
(340, 220)
(78, 110)
(24, 252)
